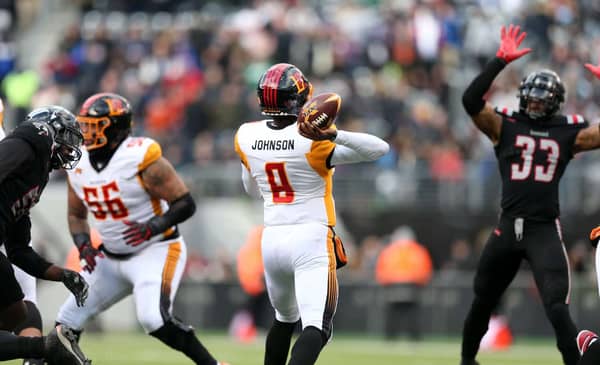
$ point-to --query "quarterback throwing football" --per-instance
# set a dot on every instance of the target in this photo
(291, 166)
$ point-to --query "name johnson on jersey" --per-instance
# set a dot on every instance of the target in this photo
(273, 145)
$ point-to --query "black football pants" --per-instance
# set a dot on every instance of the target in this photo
(541, 245)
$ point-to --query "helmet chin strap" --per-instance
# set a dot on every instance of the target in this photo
(100, 157)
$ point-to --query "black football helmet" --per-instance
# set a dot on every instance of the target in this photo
(544, 86)
(65, 133)
(104, 118)
(282, 90)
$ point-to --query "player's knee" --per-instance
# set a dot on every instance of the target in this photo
(13, 315)
(33, 319)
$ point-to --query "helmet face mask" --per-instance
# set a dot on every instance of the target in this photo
(65, 132)
(541, 94)
(104, 118)
(282, 90)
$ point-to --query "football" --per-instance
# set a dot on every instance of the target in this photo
(321, 110)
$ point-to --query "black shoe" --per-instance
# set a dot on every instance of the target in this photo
(62, 349)
(33, 361)
(469, 362)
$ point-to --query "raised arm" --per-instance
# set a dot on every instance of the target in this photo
(350, 147)
(588, 138)
(481, 112)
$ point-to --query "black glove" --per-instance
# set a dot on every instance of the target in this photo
(77, 285)
(138, 233)
(595, 236)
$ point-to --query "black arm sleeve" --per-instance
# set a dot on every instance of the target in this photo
(179, 210)
(13, 153)
(20, 253)
(473, 96)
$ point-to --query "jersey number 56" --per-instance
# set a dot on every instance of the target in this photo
(100, 203)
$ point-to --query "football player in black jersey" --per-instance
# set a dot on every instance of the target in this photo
(48, 139)
(533, 146)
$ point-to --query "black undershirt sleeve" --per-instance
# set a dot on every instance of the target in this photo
(20, 253)
(179, 210)
(473, 96)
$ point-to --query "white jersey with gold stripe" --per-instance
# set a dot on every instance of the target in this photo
(291, 172)
(116, 193)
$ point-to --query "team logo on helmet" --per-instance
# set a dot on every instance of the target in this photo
(282, 90)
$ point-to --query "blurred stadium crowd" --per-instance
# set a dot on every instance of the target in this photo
(190, 70)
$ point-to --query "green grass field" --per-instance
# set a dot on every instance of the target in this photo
(138, 349)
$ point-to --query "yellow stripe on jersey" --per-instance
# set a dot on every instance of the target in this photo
(153, 153)
(241, 153)
(317, 159)
(170, 267)
(156, 207)
(332, 287)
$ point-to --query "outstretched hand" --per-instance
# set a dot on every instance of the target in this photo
(593, 69)
(509, 44)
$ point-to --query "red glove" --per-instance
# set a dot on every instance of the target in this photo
(137, 233)
(87, 252)
(509, 43)
(594, 69)
(87, 257)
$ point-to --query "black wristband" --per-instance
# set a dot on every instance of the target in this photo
(81, 239)
(473, 96)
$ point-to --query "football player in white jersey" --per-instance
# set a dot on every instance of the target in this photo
(137, 200)
(291, 166)
(32, 326)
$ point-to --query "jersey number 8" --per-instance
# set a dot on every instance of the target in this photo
(278, 181)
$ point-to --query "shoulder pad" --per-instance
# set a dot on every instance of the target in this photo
(570, 120)
(575, 119)
(38, 136)
(144, 150)
(504, 111)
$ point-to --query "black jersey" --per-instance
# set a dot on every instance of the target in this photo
(532, 157)
(24, 171)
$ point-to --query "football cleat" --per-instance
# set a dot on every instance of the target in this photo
(469, 362)
(584, 339)
(61, 348)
